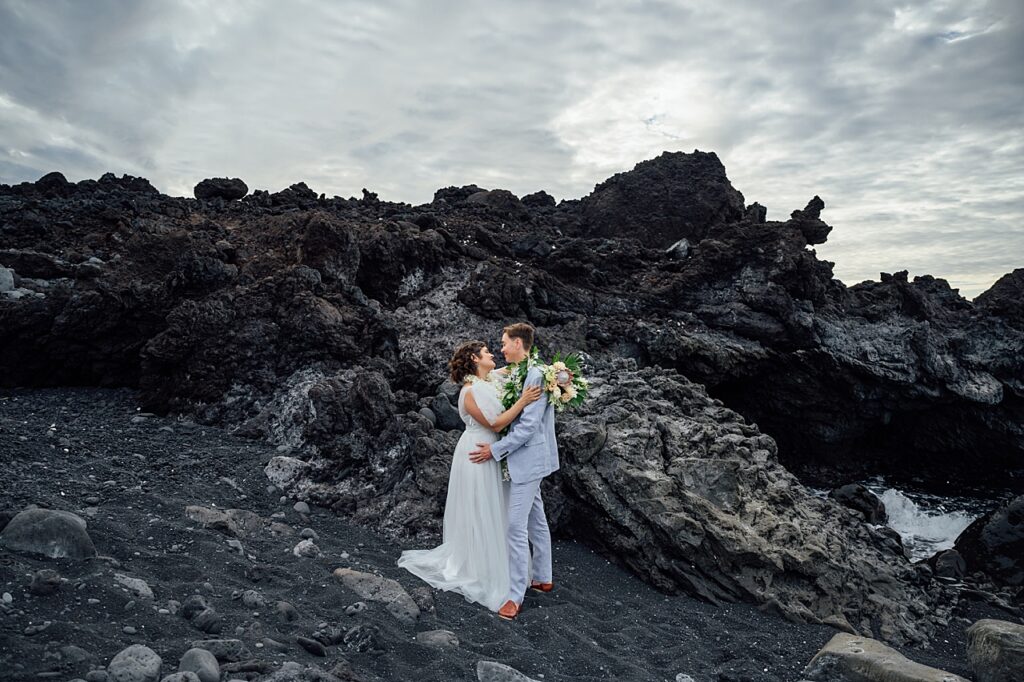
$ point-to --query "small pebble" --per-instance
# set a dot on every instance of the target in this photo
(301, 507)
(8, 598)
(129, 630)
(309, 533)
(36, 629)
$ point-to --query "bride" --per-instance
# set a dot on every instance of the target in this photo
(472, 558)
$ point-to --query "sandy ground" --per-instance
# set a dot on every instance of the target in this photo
(88, 451)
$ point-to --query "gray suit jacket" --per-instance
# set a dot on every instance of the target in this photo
(530, 445)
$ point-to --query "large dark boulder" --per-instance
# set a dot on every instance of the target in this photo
(661, 201)
(994, 543)
(539, 199)
(501, 201)
(450, 196)
(54, 185)
(221, 188)
(856, 496)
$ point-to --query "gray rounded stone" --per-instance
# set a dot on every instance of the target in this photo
(491, 671)
(48, 532)
(438, 638)
(202, 663)
(136, 663)
(995, 649)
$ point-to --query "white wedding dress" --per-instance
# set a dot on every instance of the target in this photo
(472, 558)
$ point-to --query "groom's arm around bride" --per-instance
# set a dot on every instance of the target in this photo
(523, 429)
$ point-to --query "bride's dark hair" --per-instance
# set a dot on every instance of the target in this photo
(462, 363)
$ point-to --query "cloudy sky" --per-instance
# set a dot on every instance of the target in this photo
(907, 119)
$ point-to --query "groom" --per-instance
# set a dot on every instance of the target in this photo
(532, 454)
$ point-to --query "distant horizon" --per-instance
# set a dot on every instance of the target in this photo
(907, 121)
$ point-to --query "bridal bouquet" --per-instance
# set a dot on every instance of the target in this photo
(563, 381)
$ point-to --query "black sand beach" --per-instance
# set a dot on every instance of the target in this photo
(88, 451)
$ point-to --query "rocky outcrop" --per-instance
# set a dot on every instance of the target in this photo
(663, 200)
(683, 491)
(1005, 298)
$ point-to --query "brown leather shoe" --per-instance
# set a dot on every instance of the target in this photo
(542, 587)
(509, 610)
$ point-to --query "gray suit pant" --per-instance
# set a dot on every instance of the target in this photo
(527, 525)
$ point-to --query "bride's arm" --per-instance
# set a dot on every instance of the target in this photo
(531, 394)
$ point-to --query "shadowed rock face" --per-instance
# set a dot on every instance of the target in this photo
(325, 325)
(663, 200)
(1005, 299)
(686, 493)
(994, 543)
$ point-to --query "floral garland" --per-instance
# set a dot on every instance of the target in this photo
(563, 383)
(515, 378)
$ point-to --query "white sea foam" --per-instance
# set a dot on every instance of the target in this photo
(927, 525)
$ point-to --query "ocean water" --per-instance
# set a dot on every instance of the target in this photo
(927, 523)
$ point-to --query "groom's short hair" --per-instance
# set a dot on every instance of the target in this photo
(521, 330)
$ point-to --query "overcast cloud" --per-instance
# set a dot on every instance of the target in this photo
(908, 122)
